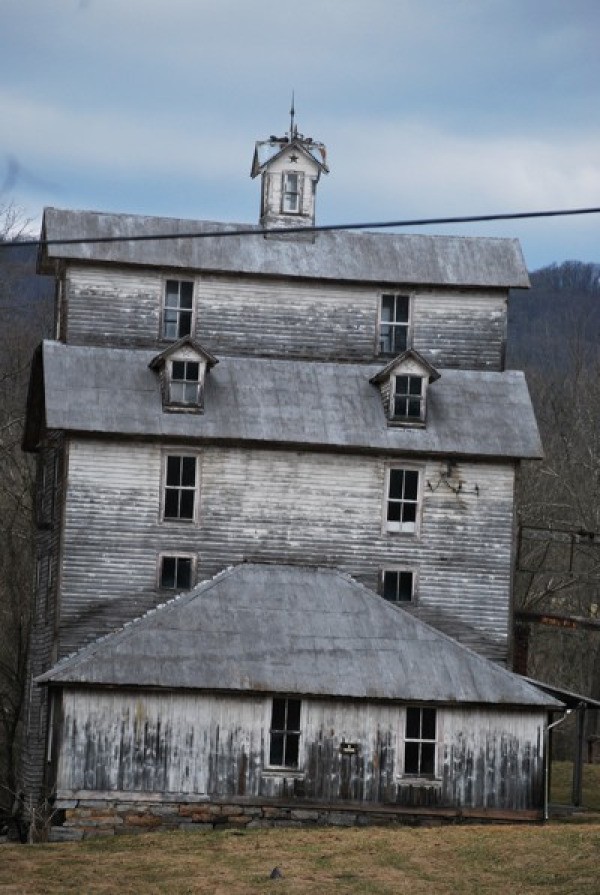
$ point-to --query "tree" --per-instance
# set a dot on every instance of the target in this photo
(558, 566)
(23, 320)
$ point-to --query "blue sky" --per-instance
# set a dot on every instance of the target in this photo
(427, 107)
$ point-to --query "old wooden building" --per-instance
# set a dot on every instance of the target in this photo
(275, 521)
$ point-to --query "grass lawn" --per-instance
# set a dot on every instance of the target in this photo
(562, 857)
(558, 858)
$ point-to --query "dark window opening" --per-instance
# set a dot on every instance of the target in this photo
(179, 299)
(393, 331)
(176, 572)
(420, 742)
(285, 733)
(398, 585)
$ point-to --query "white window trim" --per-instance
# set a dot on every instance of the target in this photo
(176, 452)
(284, 770)
(189, 406)
(168, 554)
(415, 583)
(408, 421)
(163, 297)
(409, 333)
(299, 193)
(390, 528)
(409, 775)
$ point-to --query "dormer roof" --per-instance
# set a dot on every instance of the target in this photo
(267, 151)
(187, 342)
(402, 360)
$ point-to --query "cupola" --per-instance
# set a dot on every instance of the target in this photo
(290, 168)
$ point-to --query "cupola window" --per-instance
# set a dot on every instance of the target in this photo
(291, 193)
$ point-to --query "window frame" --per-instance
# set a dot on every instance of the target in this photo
(163, 323)
(421, 740)
(176, 556)
(198, 403)
(399, 570)
(299, 175)
(178, 520)
(422, 398)
(380, 323)
(390, 526)
(285, 732)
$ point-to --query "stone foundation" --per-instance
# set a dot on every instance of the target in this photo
(85, 818)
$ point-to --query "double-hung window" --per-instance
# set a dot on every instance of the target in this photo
(180, 488)
(290, 198)
(402, 500)
(420, 742)
(285, 733)
(184, 385)
(408, 398)
(394, 323)
(178, 309)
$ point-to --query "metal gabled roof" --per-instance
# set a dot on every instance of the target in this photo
(266, 151)
(186, 342)
(285, 402)
(383, 258)
(291, 629)
(399, 360)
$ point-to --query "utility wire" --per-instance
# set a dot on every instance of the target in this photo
(261, 231)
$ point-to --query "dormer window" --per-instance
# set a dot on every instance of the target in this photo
(184, 385)
(403, 385)
(408, 398)
(183, 368)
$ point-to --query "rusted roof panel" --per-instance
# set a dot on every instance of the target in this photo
(385, 258)
(290, 629)
(287, 402)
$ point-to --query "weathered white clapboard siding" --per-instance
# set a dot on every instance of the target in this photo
(306, 507)
(116, 307)
(264, 316)
(218, 745)
(463, 330)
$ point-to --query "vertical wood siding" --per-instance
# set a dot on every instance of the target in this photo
(304, 507)
(280, 317)
(218, 745)
(48, 514)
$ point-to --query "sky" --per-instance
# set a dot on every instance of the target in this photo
(428, 108)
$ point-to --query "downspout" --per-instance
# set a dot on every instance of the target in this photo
(547, 760)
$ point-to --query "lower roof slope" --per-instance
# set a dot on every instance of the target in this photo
(285, 402)
(291, 629)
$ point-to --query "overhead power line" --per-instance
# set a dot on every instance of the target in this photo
(262, 231)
